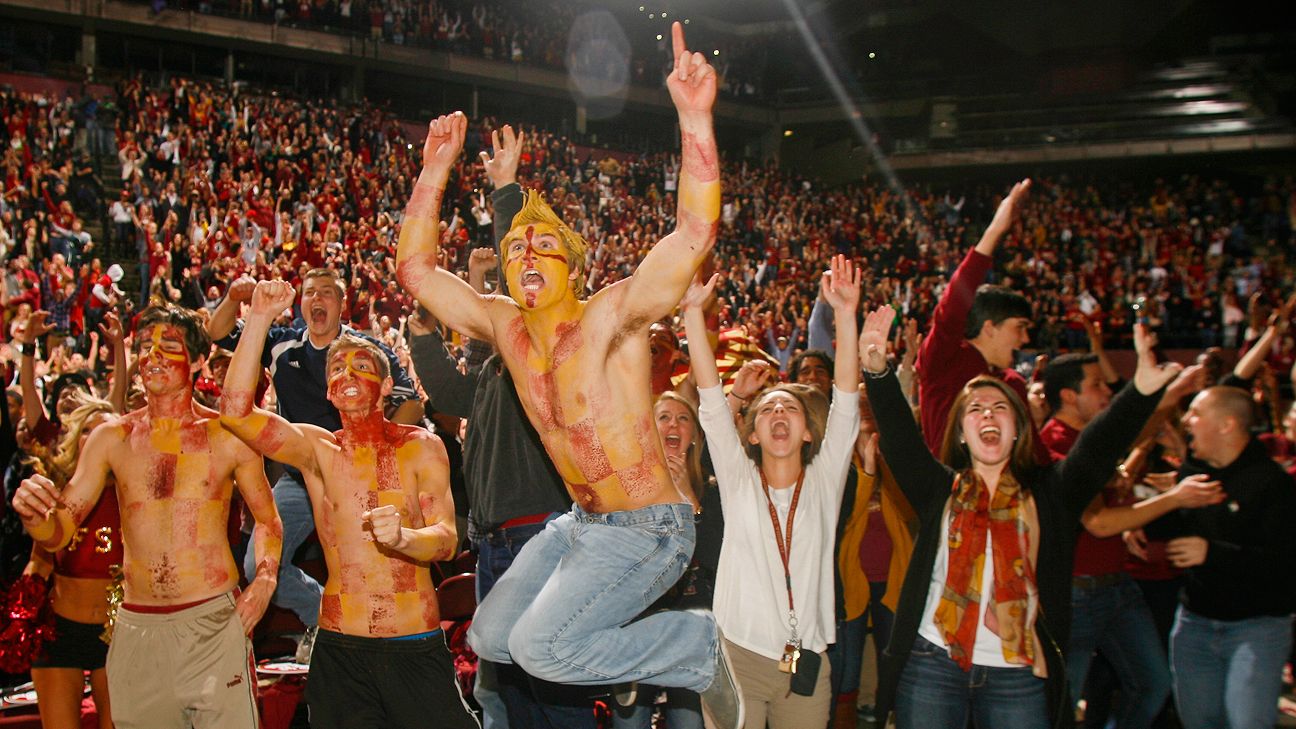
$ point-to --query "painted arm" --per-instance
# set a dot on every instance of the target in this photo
(50, 516)
(267, 539)
(265, 432)
(449, 298)
(665, 273)
(438, 539)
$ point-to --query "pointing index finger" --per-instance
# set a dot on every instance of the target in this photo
(677, 39)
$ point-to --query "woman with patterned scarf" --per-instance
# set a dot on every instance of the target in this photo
(986, 599)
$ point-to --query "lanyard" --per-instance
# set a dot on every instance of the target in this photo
(785, 548)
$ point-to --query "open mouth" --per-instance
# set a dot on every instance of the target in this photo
(351, 391)
(532, 280)
(673, 442)
(780, 431)
(319, 315)
(990, 435)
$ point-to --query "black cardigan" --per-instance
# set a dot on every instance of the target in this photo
(1061, 492)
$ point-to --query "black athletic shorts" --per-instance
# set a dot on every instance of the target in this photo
(377, 683)
(75, 645)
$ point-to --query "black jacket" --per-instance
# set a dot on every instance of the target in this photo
(1251, 556)
(1061, 492)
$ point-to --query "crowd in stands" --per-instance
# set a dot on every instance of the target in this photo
(536, 34)
(216, 184)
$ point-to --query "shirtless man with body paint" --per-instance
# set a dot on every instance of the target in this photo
(180, 651)
(381, 496)
(582, 371)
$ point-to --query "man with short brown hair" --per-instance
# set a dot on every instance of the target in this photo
(180, 654)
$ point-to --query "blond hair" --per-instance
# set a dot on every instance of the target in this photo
(536, 210)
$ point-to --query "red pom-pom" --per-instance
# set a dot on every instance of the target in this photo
(29, 626)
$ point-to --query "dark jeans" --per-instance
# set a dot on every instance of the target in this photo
(935, 693)
(528, 702)
(1115, 620)
(846, 654)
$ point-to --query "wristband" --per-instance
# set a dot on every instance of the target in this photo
(879, 374)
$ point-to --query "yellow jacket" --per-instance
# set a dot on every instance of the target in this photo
(900, 522)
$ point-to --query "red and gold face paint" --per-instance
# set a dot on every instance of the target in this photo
(368, 382)
(165, 347)
(538, 246)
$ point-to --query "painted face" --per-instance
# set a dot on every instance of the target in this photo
(163, 358)
(535, 265)
(989, 426)
(321, 306)
(1009, 335)
(780, 425)
(676, 427)
(814, 372)
(353, 380)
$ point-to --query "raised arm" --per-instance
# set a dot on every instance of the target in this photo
(448, 297)
(267, 544)
(840, 287)
(666, 271)
(437, 539)
(51, 517)
(923, 479)
(225, 317)
(265, 432)
(36, 327)
(1102, 444)
(1003, 218)
(1249, 364)
(701, 356)
(112, 331)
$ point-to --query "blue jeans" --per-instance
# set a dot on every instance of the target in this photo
(1228, 673)
(935, 693)
(683, 710)
(562, 612)
(297, 591)
(505, 693)
(1115, 620)
(847, 653)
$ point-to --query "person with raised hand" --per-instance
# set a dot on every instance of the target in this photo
(986, 600)
(174, 470)
(381, 494)
(781, 475)
(582, 371)
(975, 329)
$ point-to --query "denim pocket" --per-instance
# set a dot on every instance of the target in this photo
(924, 647)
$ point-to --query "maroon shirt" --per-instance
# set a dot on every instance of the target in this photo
(1093, 555)
(947, 361)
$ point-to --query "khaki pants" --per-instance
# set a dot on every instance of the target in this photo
(182, 669)
(765, 693)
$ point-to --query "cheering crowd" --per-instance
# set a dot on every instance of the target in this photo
(721, 427)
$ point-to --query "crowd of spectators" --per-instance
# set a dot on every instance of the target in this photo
(216, 183)
(537, 34)
(211, 183)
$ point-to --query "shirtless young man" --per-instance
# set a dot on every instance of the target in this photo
(381, 496)
(180, 654)
(582, 374)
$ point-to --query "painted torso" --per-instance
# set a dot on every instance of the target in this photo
(589, 399)
(174, 482)
(371, 590)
